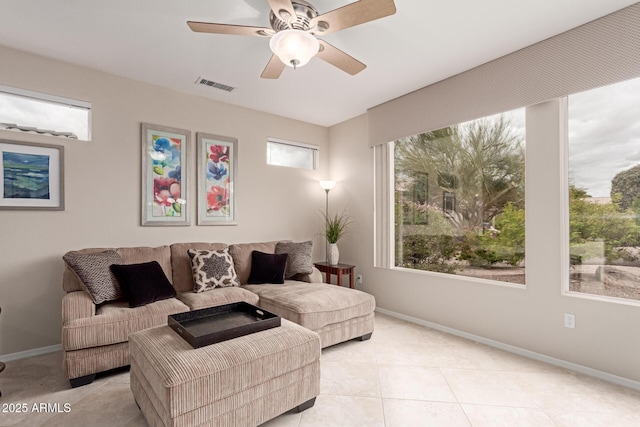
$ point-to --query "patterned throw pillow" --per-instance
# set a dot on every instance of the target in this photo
(299, 261)
(95, 275)
(212, 269)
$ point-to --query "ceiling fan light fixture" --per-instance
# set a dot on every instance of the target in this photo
(294, 47)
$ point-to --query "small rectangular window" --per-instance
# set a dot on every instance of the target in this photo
(28, 111)
(292, 154)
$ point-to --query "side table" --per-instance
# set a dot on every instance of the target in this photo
(338, 270)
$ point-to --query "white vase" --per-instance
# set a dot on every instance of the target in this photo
(334, 254)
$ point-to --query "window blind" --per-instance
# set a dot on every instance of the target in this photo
(601, 52)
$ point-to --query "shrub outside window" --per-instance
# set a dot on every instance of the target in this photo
(604, 191)
(459, 199)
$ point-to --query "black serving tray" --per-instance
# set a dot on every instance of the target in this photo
(215, 324)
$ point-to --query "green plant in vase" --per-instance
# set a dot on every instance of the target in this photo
(335, 227)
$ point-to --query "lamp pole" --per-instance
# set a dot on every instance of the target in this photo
(327, 186)
(326, 226)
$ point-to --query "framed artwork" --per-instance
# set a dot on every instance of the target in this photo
(164, 175)
(217, 164)
(31, 176)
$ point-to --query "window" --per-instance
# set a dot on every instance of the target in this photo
(604, 191)
(291, 154)
(28, 111)
(459, 199)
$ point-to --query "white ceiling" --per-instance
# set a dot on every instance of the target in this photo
(424, 42)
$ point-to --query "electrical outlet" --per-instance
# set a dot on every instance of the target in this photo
(359, 279)
(569, 320)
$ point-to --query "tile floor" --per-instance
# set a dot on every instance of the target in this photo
(406, 375)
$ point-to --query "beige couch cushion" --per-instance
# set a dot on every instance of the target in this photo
(241, 253)
(114, 322)
(181, 263)
(139, 254)
(313, 305)
(216, 297)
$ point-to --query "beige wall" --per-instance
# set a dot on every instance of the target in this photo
(103, 199)
(606, 336)
(102, 180)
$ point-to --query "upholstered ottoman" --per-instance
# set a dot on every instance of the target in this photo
(337, 314)
(245, 381)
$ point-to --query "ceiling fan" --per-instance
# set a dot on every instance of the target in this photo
(294, 27)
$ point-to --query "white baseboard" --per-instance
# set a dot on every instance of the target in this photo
(519, 351)
(30, 353)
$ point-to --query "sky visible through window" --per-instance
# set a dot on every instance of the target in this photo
(44, 115)
(604, 135)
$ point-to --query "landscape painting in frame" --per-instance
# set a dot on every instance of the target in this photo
(217, 163)
(164, 175)
(31, 176)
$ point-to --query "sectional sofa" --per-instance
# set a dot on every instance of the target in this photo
(95, 334)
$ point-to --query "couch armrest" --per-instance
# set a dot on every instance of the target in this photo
(77, 305)
(314, 277)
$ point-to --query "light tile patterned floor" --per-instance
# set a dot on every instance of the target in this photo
(406, 375)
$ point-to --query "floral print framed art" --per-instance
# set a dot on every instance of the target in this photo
(217, 160)
(164, 175)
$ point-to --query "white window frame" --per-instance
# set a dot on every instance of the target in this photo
(566, 220)
(53, 99)
(384, 217)
(315, 149)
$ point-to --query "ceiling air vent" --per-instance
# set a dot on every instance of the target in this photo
(214, 84)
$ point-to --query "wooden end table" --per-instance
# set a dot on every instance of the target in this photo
(338, 270)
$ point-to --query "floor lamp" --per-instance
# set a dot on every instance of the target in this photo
(327, 186)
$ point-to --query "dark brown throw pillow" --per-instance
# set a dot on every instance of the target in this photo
(143, 283)
(267, 268)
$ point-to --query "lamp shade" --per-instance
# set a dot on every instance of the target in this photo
(327, 185)
(294, 47)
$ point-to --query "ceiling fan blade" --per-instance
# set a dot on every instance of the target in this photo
(238, 30)
(273, 69)
(282, 5)
(353, 14)
(338, 58)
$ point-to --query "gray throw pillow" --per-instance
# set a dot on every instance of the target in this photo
(93, 270)
(299, 260)
(212, 269)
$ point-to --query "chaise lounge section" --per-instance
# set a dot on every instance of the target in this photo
(95, 336)
(337, 314)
